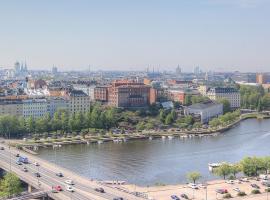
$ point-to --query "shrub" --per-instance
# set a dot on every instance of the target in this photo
(255, 191)
(267, 190)
(227, 196)
(240, 194)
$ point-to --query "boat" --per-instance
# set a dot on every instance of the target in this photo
(150, 138)
(212, 166)
(170, 137)
(99, 141)
(163, 137)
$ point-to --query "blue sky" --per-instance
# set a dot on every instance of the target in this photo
(131, 35)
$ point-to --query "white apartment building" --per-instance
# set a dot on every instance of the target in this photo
(78, 102)
(57, 103)
(231, 94)
(34, 108)
(11, 107)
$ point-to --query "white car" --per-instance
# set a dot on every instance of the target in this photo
(36, 163)
(230, 181)
(237, 190)
(193, 186)
(69, 188)
(244, 180)
(69, 182)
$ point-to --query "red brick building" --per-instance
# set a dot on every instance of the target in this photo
(101, 93)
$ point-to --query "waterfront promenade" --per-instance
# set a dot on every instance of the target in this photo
(84, 188)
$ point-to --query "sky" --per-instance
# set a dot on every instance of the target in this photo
(220, 35)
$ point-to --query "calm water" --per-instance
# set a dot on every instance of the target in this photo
(148, 162)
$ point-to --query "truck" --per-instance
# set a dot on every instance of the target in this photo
(23, 159)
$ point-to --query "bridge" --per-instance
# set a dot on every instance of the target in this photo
(84, 189)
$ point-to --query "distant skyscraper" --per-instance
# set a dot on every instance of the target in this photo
(178, 70)
(54, 70)
(197, 70)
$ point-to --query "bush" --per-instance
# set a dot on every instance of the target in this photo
(227, 196)
(255, 192)
(267, 190)
(241, 194)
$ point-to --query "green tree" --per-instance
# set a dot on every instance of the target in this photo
(10, 185)
(251, 166)
(215, 122)
(193, 176)
(169, 119)
(162, 115)
(223, 170)
(235, 169)
(226, 105)
(197, 125)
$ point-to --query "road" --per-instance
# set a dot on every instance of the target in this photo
(84, 188)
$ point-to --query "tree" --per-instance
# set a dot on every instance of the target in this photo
(197, 125)
(169, 119)
(193, 176)
(235, 169)
(251, 166)
(162, 115)
(226, 105)
(223, 170)
(215, 122)
(10, 185)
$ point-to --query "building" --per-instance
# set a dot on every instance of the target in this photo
(231, 94)
(57, 103)
(128, 94)
(35, 108)
(101, 93)
(262, 78)
(179, 95)
(11, 107)
(206, 111)
(87, 89)
(78, 102)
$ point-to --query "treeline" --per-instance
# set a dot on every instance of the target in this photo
(253, 97)
(225, 119)
(97, 117)
(249, 166)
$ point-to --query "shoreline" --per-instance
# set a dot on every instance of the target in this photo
(32, 146)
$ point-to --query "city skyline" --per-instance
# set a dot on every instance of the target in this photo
(215, 35)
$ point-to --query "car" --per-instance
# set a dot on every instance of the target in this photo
(266, 183)
(69, 182)
(18, 163)
(255, 186)
(69, 188)
(25, 169)
(237, 190)
(174, 197)
(54, 191)
(244, 180)
(17, 155)
(230, 181)
(184, 196)
(202, 186)
(59, 174)
(58, 188)
(222, 191)
(37, 174)
(2, 148)
(101, 190)
(193, 186)
(36, 164)
(118, 198)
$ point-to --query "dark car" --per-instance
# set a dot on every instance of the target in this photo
(37, 174)
(18, 163)
(2, 148)
(59, 174)
(184, 196)
(17, 155)
(174, 197)
(222, 191)
(118, 198)
(255, 186)
(25, 169)
(101, 190)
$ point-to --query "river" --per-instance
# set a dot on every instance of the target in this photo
(145, 162)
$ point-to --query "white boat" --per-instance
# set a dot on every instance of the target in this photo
(163, 137)
(212, 166)
(150, 138)
(100, 142)
(170, 137)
